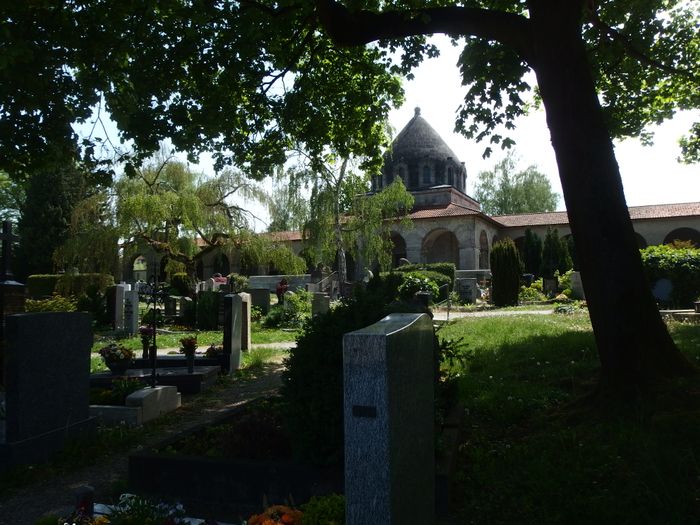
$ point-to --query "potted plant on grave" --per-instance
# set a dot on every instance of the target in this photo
(146, 333)
(117, 358)
(189, 346)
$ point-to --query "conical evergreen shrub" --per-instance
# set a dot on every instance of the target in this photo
(506, 269)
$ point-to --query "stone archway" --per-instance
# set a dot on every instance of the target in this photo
(221, 264)
(137, 269)
(398, 249)
(441, 245)
(683, 234)
(484, 262)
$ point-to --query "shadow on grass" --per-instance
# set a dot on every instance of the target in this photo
(525, 459)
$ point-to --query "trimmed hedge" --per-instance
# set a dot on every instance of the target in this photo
(312, 383)
(41, 285)
(680, 266)
(506, 269)
(45, 285)
(82, 283)
(447, 269)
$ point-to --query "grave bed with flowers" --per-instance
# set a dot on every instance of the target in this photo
(232, 465)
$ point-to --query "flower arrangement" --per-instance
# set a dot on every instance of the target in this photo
(214, 351)
(146, 333)
(115, 353)
(189, 345)
(277, 515)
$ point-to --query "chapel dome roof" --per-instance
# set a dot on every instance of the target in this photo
(418, 140)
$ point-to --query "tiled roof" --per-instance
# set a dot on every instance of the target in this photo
(663, 211)
(654, 211)
(283, 236)
(451, 210)
(532, 219)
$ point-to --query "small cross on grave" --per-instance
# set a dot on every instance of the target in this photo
(7, 238)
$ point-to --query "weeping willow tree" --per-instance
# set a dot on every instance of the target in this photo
(175, 211)
(345, 219)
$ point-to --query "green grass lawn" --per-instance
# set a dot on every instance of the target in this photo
(258, 335)
(529, 454)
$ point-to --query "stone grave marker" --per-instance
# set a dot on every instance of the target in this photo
(186, 306)
(212, 285)
(47, 374)
(119, 298)
(550, 287)
(287, 295)
(111, 302)
(662, 289)
(131, 311)
(260, 297)
(245, 321)
(467, 289)
(170, 306)
(388, 383)
(320, 304)
(577, 285)
(12, 293)
(233, 323)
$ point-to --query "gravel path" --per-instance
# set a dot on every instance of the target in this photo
(55, 494)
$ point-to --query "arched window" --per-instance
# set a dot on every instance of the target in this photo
(426, 175)
(450, 177)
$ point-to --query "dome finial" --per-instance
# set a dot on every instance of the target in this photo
(417, 111)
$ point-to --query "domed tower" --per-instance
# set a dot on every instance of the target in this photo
(422, 159)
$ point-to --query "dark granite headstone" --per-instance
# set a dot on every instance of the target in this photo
(233, 323)
(111, 300)
(47, 371)
(260, 297)
(388, 373)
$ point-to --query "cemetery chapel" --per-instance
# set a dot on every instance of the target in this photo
(449, 226)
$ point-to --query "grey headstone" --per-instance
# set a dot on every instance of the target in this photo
(467, 289)
(245, 321)
(577, 285)
(186, 305)
(662, 289)
(211, 285)
(47, 374)
(170, 306)
(320, 304)
(119, 296)
(550, 287)
(131, 311)
(389, 422)
(287, 295)
(261, 298)
(233, 323)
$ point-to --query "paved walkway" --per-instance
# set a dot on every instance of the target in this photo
(283, 345)
(441, 315)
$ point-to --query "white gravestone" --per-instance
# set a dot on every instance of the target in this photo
(131, 311)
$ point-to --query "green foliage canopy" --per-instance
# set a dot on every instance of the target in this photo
(505, 191)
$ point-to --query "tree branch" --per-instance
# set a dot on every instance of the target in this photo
(352, 28)
(615, 36)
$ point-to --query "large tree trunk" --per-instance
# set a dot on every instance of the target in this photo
(633, 344)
